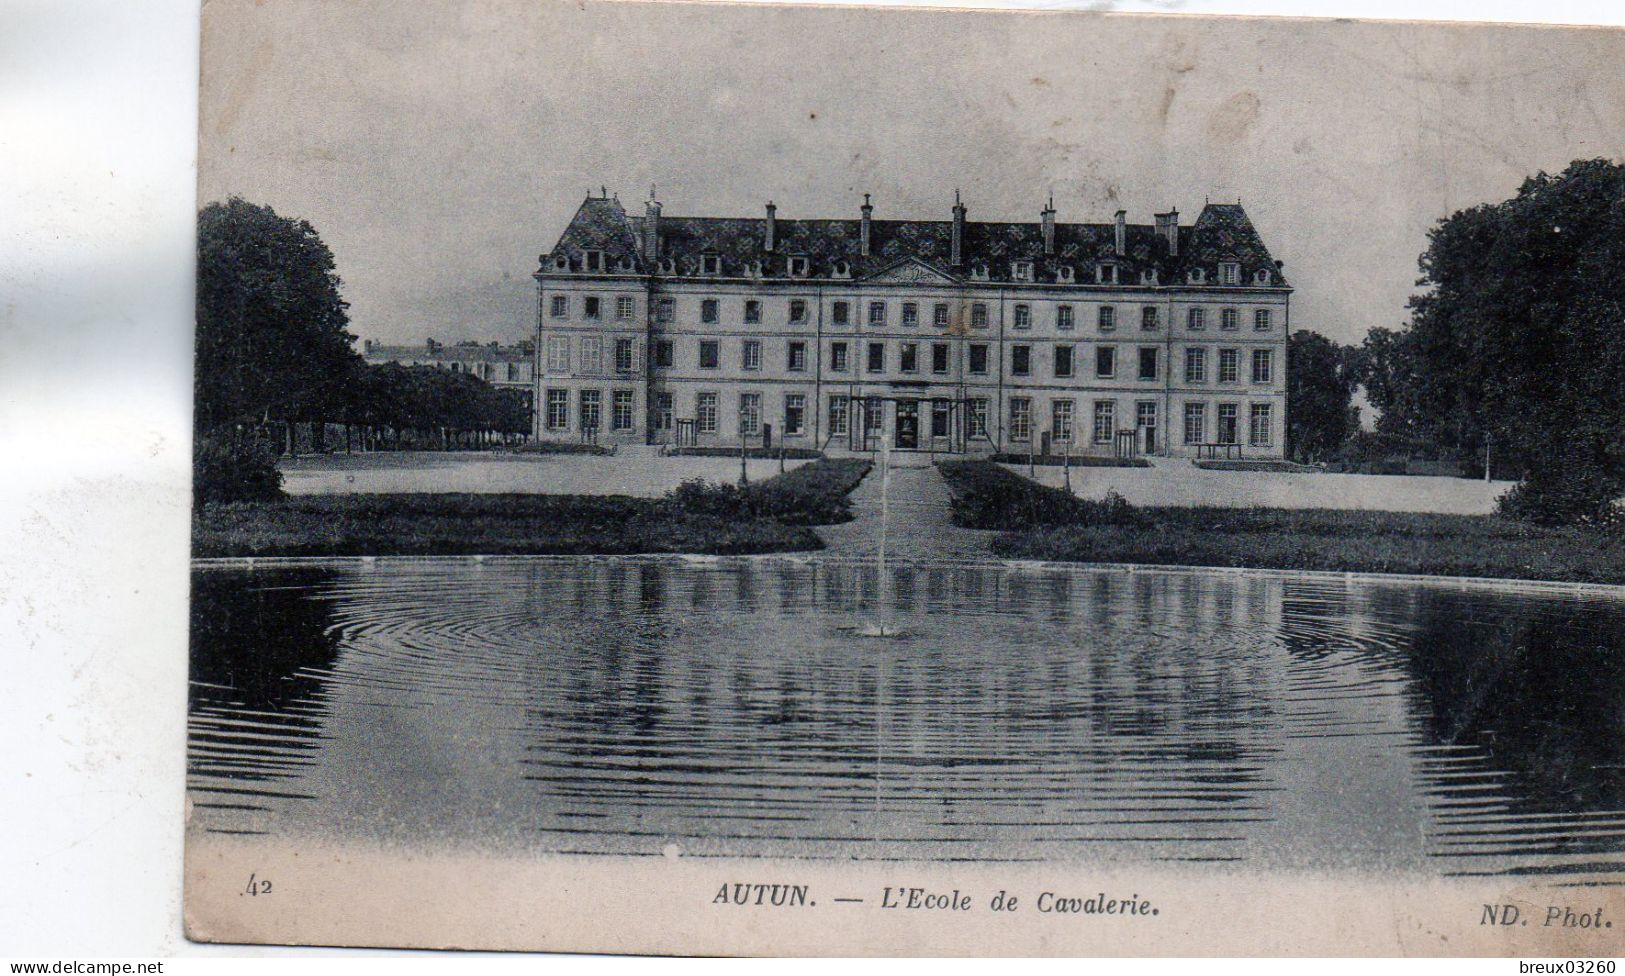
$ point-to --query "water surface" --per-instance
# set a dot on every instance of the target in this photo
(724, 707)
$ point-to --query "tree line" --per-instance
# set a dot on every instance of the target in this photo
(274, 352)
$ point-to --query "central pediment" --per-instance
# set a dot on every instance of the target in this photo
(911, 271)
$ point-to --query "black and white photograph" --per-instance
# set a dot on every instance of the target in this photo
(714, 479)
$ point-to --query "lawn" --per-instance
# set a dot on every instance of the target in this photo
(770, 516)
(1043, 523)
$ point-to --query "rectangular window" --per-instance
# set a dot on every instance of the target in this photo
(1229, 370)
(710, 264)
(1229, 320)
(623, 355)
(705, 413)
(591, 409)
(1021, 270)
(1063, 317)
(795, 414)
(1105, 420)
(558, 354)
(753, 311)
(1261, 320)
(977, 422)
(1229, 273)
(939, 357)
(513, 372)
(840, 313)
(1196, 365)
(625, 307)
(620, 415)
(592, 354)
(1021, 360)
(1063, 362)
(558, 409)
(874, 415)
(1228, 426)
(1107, 318)
(877, 313)
(1263, 366)
(665, 309)
(798, 310)
(908, 359)
(1259, 425)
(837, 357)
(663, 354)
(660, 416)
(750, 414)
(795, 356)
(1148, 362)
(939, 418)
(561, 306)
(911, 315)
(1022, 316)
(978, 359)
(1021, 419)
(1105, 362)
(839, 414)
(1195, 423)
(1145, 416)
(939, 315)
(591, 306)
(1148, 318)
(708, 353)
(1196, 319)
(877, 357)
(709, 311)
(750, 354)
(796, 266)
(978, 316)
(1061, 421)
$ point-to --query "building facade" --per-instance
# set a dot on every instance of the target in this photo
(950, 336)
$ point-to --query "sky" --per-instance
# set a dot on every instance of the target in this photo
(440, 148)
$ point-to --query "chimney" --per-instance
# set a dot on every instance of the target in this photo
(651, 230)
(863, 233)
(956, 247)
(771, 233)
(1168, 229)
(1120, 234)
(1047, 219)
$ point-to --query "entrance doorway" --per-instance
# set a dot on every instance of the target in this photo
(908, 425)
(1146, 419)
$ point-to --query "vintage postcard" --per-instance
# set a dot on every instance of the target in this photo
(727, 479)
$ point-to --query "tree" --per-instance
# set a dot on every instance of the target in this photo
(1321, 377)
(271, 338)
(1518, 344)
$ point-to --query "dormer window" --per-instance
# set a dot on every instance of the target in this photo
(843, 269)
(624, 264)
(1261, 278)
(1063, 274)
(710, 264)
(796, 266)
(755, 269)
(592, 261)
(1229, 273)
(1197, 276)
(1105, 273)
(1021, 270)
(668, 265)
(561, 263)
(978, 272)
(1148, 276)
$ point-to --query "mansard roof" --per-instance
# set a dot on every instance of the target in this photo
(1222, 232)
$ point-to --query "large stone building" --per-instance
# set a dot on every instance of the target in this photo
(953, 335)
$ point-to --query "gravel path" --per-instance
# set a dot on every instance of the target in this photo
(919, 527)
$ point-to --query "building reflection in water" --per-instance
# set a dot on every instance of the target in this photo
(726, 707)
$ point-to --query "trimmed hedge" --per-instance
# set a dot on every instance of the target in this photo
(813, 494)
(233, 471)
(759, 453)
(1078, 461)
(986, 496)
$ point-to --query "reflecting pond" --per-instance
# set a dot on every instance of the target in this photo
(726, 707)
